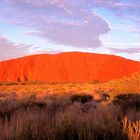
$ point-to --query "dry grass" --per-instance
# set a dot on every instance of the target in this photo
(84, 111)
(125, 85)
(72, 122)
(57, 117)
(131, 129)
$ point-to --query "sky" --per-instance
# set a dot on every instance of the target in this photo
(52, 26)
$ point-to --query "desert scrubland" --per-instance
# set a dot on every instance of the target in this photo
(71, 111)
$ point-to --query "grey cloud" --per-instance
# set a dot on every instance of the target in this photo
(64, 22)
(128, 50)
(9, 50)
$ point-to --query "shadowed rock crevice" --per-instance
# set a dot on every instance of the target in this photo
(23, 78)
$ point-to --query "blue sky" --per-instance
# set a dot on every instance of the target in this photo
(52, 26)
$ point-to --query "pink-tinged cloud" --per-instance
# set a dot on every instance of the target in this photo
(63, 22)
(9, 50)
(129, 9)
(83, 33)
(128, 50)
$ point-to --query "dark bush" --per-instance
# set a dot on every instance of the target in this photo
(82, 98)
(127, 101)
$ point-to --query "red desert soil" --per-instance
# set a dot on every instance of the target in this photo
(67, 67)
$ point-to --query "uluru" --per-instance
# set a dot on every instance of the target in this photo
(67, 67)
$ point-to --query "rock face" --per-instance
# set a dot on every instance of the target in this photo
(67, 67)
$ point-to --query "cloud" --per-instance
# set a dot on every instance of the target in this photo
(128, 50)
(10, 50)
(121, 8)
(70, 23)
(84, 33)
(119, 4)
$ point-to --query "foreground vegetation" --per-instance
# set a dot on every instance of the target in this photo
(68, 111)
(68, 117)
